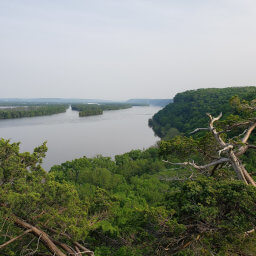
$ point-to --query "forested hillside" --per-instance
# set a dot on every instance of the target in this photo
(189, 109)
(190, 195)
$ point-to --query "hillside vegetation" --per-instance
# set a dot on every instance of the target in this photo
(188, 110)
(137, 205)
(187, 196)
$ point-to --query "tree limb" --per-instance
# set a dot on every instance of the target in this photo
(227, 148)
(39, 233)
(252, 146)
(229, 128)
(248, 133)
(213, 129)
(15, 238)
(87, 251)
(199, 129)
(249, 231)
(200, 167)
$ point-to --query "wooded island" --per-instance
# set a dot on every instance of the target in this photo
(97, 109)
(31, 111)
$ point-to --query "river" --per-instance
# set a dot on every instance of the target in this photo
(69, 136)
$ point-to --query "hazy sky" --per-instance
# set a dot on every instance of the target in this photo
(116, 49)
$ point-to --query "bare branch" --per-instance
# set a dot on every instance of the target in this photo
(241, 150)
(229, 128)
(87, 251)
(248, 177)
(37, 245)
(214, 119)
(239, 135)
(252, 146)
(39, 233)
(65, 247)
(215, 168)
(227, 148)
(249, 231)
(235, 162)
(200, 167)
(213, 129)
(199, 129)
(248, 133)
(15, 238)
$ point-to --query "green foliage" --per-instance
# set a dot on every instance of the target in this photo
(188, 110)
(30, 111)
(96, 109)
(136, 204)
(146, 214)
(29, 193)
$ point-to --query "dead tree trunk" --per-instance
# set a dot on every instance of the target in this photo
(228, 149)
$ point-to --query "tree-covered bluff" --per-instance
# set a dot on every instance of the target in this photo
(188, 109)
(190, 195)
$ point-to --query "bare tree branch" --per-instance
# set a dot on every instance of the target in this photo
(248, 133)
(241, 150)
(65, 247)
(87, 251)
(213, 129)
(199, 129)
(214, 169)
(252, 146)
(39, 233)
(249, 231)
(227, 148)
(200, 167)
(15, 238)
(229, 128)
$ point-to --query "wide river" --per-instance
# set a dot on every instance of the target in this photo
(69, 136)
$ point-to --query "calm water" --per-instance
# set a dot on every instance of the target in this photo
(69, 137)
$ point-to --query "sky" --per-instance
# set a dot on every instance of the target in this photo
(116, 49)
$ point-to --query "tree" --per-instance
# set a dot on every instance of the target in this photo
(37, 214)
(230, 149)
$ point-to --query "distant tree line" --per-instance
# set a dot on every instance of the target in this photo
(31, 111)
(147, 102)
(96, 109)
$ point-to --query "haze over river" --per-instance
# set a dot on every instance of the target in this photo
(69, 136)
